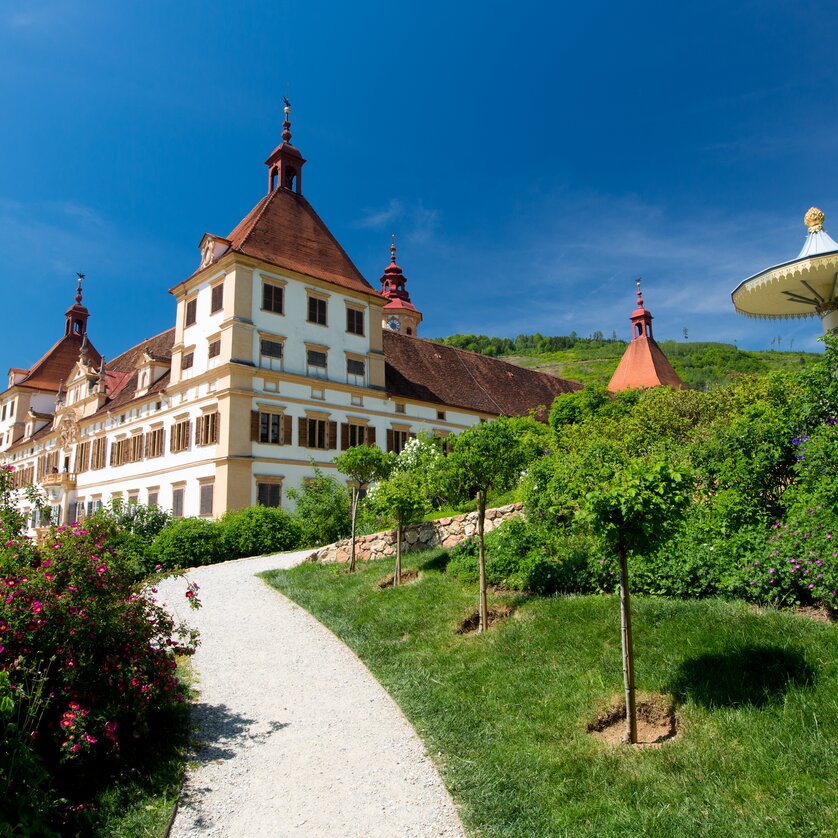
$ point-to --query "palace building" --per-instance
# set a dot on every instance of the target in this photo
(281, 356)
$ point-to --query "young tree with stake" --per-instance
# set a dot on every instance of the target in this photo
(485, 457)
(362, 464)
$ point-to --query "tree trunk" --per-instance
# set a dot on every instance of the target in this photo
(628, 649)
(481, 560)
(354, 513)
(397, 574)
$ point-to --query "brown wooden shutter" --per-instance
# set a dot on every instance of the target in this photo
(302, 429)
(187, 435)
(254, 426)
(286, 430)
(344, 436)
(200, 426)
(389, 439)
(114, 449)
(369, 436)
(148, 446)
(216, 427)
(332, 435)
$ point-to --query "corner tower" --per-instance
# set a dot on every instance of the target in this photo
(400, 315)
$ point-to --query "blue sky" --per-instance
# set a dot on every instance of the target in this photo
(533, 158)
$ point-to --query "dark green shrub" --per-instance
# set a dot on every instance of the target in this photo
(189, 542)
(260, 530)
(463, 562)
(322, 510)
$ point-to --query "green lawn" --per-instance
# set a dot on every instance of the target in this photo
(504, 714)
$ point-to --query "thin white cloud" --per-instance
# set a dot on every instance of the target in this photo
(381, 218)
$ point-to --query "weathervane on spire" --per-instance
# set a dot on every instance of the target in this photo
(286, 126)
(393, 250)
(78, 290)
(639, 292)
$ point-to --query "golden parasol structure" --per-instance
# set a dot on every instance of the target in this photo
(803, 287)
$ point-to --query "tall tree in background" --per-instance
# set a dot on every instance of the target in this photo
(486, 457)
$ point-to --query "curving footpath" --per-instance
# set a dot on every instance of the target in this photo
(292, 735)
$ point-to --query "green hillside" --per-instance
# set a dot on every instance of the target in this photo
(700, 365)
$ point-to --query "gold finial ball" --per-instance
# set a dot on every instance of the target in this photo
(814, 220)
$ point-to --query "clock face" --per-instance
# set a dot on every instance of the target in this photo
(393, 324)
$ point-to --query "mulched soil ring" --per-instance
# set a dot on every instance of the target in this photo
(407, 577)
(497, 614)
(656, 721)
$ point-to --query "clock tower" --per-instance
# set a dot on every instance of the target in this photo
(399, 314)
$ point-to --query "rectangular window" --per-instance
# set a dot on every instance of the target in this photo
(317, 311)
(270, 354)
(318, 433)
(316, 363)
(400, 408)
(137, 448)
(154, 443)
(272, 298)
(134, 497)
(356, 372)
(217, 298)
(179, 440)
(206, 499)
(268, 494)
(153, 495)
(191, 312)
(214, 349)
(3, 416)
(98, 453)
(206, 429)
(82, 461)
(177, 502)
(270, 428)
(352, 435)
(187, 360)
(354, 321)
(440, 415)
(396, 440)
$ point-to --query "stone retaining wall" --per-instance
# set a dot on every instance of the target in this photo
(446, 532)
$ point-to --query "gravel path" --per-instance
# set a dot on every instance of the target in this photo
(292, 734)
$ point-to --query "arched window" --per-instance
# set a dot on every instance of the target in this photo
(290, 178)
(274, 178)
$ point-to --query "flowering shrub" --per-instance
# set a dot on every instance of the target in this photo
(802, 563)
(73, 619)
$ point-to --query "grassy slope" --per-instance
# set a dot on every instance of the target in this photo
(505, 712)
(700, 365)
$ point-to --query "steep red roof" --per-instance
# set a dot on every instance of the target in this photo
(644, 365)
(55, 366)
(431, 372)
(284, 230)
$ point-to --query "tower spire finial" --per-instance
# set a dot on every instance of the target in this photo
(78, 290)
(639, 292)
(286, 126)
(393, 250)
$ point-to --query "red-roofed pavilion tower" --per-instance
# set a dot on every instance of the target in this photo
(400, 315)
(643, 363)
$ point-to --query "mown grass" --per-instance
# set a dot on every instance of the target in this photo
(503, 714)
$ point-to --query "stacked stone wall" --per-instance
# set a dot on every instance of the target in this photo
(446, 532)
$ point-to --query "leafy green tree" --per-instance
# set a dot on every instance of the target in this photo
(322, 508)
(633, 505)
(485, 457)
(403, 499)
(363, 465)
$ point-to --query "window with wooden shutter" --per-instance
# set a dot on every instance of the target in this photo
(217, 298)
(137, 448)
(286, 430)
(177, 502)
(389, 439)
(206, 497)
(179, 440)
(332, 437)
(254, 426)
(82, 459)
(154, 443)
(206, 429)
(370, 435)
(191, 312)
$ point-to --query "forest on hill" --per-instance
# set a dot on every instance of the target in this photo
(701, 365)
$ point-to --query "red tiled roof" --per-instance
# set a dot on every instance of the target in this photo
(432, 372)
(644, 365)
(121, 372)
(55, 366)
(284, 230)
